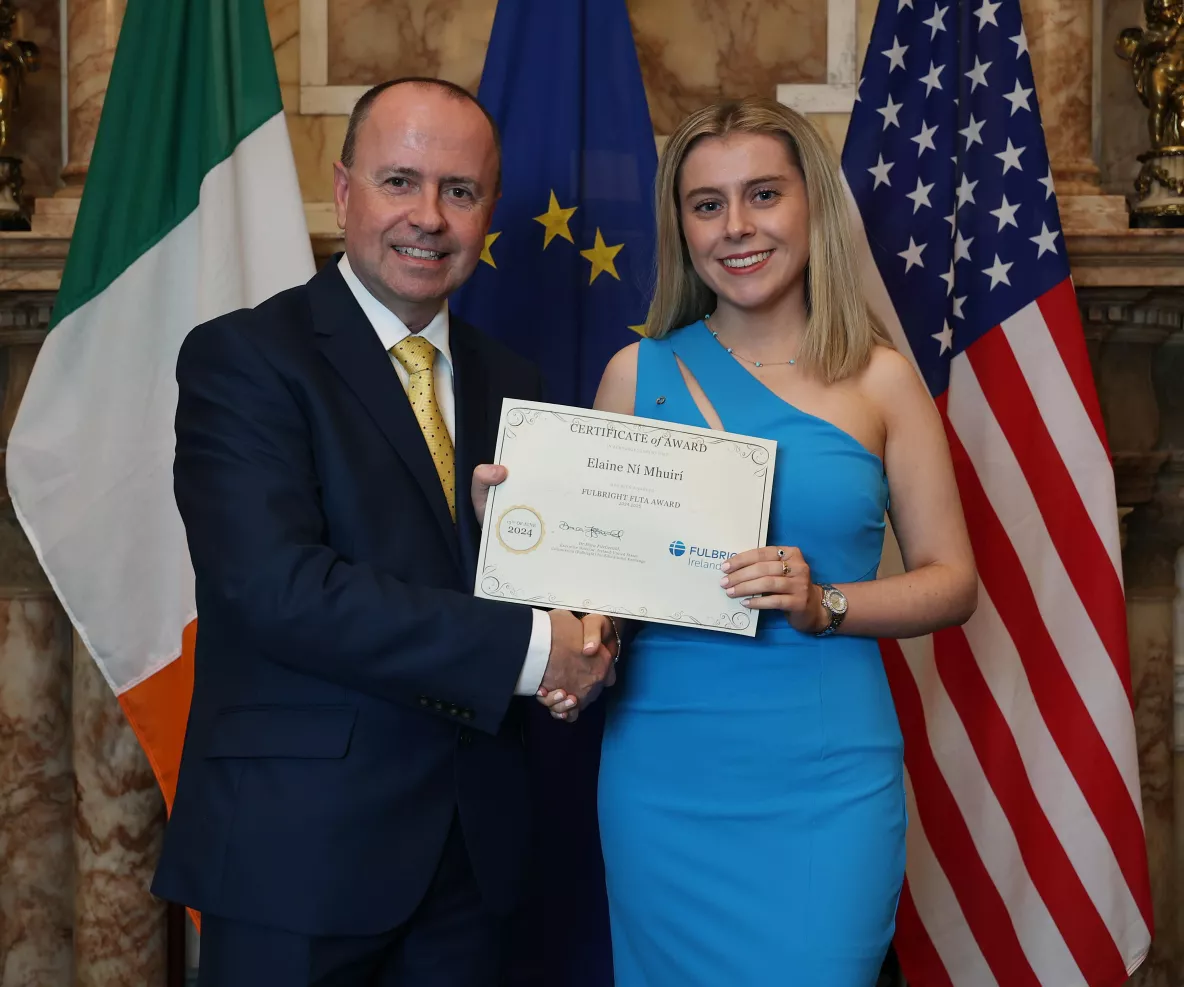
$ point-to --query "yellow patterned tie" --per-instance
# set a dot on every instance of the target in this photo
(417, 356)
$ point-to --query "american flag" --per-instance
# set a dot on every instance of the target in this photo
(1026, 855)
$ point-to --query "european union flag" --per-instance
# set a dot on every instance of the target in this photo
(567, 271)
(568, 266)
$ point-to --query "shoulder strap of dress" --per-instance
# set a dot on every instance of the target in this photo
(707, 361)
(661, 391)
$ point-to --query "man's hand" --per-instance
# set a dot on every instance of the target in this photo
(581, 663)
(486, 476)
(601, 646)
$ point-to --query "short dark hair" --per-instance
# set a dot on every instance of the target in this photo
(365, 102)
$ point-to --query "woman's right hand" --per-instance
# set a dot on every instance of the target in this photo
(560, 704)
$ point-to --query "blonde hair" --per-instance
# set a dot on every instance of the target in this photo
(841, 331)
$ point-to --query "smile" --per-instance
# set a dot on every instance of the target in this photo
(419, 253)
(751, 260)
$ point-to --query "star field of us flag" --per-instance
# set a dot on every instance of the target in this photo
(1027, 864)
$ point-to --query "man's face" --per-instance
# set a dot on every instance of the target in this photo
(417, 201)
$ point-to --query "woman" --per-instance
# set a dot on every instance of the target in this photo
(752, 806)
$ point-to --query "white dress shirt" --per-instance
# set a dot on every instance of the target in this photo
(391, 330)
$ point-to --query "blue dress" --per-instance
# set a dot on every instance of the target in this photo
(751, 795)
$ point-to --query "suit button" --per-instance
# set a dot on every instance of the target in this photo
(423, 700)
(439, 704)
(466, 714)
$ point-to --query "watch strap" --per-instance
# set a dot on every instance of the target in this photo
(836, 617)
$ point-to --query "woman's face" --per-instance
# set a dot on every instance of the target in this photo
(746, 219)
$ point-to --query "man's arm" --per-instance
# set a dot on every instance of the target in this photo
(249, 493)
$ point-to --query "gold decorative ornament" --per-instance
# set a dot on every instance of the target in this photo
(520, 529)
(1156, 54)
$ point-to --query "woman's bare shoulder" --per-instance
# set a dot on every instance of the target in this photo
(889, 376)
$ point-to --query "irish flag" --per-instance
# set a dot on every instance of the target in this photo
(191, 209)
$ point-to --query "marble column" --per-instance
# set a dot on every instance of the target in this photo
(36, 783)
(119, 928)
(92, 30)
(1060, 38)
(1137, 347)
(36, 787)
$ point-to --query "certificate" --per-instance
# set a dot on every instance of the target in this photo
(622, 515)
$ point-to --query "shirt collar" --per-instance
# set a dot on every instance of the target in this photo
(389, 327)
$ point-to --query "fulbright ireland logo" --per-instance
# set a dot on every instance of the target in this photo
(699, 557)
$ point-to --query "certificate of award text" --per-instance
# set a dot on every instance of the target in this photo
(622, 515)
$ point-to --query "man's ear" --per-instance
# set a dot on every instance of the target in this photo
(340, 192)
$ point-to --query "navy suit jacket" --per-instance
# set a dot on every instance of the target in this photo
(350, 693)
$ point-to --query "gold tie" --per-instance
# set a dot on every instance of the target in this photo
(417, 355)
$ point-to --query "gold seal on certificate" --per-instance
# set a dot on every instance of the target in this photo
(623, 515)
(520, 529)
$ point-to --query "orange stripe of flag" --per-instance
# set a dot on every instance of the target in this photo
(158, 709)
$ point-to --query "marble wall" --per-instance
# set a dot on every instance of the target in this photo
(36, 790)
(372, 40)
(691, 51)
(119, 928)
(91, 36)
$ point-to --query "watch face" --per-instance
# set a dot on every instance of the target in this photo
(836, 601)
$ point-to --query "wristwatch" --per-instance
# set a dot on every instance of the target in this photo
(835, 604)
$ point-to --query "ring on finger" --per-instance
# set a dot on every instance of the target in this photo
(781, 553)
(785, 569)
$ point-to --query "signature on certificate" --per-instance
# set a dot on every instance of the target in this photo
(592, 531)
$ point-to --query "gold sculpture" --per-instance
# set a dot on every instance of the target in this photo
(1156, 54)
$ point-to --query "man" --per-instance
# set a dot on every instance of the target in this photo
(352, 803)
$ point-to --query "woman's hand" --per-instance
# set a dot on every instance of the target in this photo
(599, 633)
(560, 704)
(777, 578)
(484, 477)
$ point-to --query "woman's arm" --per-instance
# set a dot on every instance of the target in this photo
(618, 383)
(940, 585)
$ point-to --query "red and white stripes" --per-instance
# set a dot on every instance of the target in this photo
(1027, 862)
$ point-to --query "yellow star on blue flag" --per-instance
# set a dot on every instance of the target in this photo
(601, 255)
(486, 255)
(555, 221)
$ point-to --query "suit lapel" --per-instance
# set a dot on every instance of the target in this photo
(349, 343)
(477, 412)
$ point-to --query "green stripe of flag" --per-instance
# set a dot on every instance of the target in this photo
(190, 80)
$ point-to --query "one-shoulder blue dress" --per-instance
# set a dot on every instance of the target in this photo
(751, 795)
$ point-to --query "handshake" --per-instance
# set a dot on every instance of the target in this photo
(583, 653)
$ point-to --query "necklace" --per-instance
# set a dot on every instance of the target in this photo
(740, 356)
